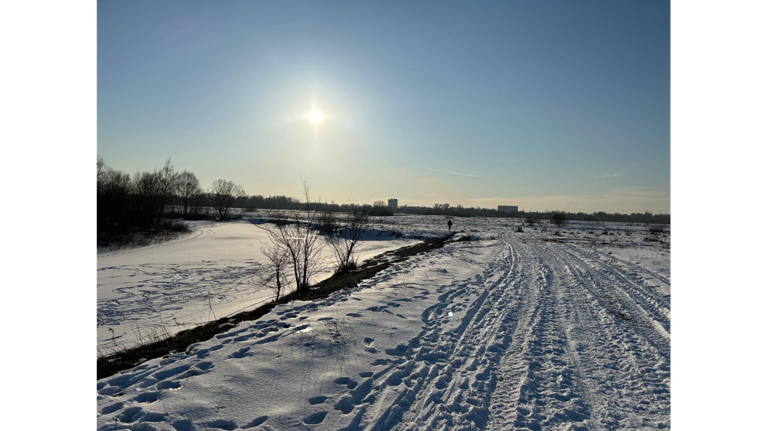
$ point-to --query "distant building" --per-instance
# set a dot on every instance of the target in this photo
(392, 204)
(508, 209)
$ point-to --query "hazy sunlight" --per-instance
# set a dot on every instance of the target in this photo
(315, 116)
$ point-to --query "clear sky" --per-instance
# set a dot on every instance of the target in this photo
(541, 104)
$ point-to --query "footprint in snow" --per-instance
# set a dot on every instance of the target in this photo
(315, 418)
(351, 384)
(147, 397)
(317, 400)
(111, 408)
(222, 424)
(240, 353)
(256, 422)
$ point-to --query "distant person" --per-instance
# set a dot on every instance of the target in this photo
(450, 223)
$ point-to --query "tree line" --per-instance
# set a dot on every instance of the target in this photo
(149, 200)
(460, 211)
(279, 202)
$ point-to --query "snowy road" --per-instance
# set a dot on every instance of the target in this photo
(557, 337)
(521, 331)
(588, 345)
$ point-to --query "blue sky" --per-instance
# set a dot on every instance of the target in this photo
(545, 104)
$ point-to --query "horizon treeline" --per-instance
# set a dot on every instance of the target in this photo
(150, 200)
(147, 201)
(601, 216)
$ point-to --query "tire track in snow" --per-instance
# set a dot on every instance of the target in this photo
(541, 376)
(460, 391)
(641, 299)
(633, 266)
(447, 373)
(631, 355)
(583, 365)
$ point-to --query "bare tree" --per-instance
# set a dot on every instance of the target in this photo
(101, 175)
(198, 202)
(113, 188)
(103, 208)
(166, 185)
(297, 237)
(146, 202)
(116, 182)
(278, 274)
(344, 239)
(224, 195)
(187, 187)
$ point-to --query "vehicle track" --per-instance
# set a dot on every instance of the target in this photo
(594, 359)
(552, 338)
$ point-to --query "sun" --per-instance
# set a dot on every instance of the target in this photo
(315, 116)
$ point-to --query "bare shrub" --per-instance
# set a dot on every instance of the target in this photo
(327, 222)
(299, 240)
(656, 229)
(277, 276)
(341, 331)
(558, 219)
(347, 235)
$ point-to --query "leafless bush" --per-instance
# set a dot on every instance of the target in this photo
(558, 219)
(327, 221)
(347, 235)
(278, 269)
(299, 240)
(656, 229)
(341, 331)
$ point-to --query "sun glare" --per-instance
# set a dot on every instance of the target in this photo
(315, 116)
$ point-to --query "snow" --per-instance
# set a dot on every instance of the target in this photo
(560, 329)
(212, 272)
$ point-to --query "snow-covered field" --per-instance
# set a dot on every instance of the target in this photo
(566, 328)
(213, 272)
